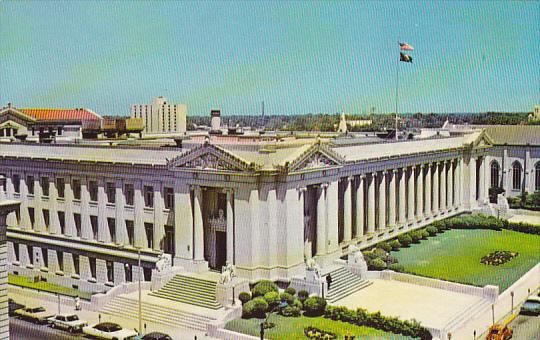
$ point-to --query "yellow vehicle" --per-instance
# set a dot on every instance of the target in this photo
(501, 331)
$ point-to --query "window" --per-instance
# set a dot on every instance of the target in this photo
(92, 261)
(110, 271)
(148, 196)
(17, 183)
(16, 251)
(168, 240)
(78, 229)
(76, 264)
(62, 222)
(32, 216)
(94, 224)
(129, 272)
(45, 253)
(77, 189)
(46, 219)
(60, 256)
(111, 191)
(516, 176)
(111, 222)
(149, 229)
(169, 198)
(93, 189)
(31, 254)
(61, 187)
(30, 184)
(45, 186)
(128, 192)
(537, 176)
(495, 174)
(59, 131)
(130, 231)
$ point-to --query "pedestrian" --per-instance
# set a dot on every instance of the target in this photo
(328, 280)
(77, 303)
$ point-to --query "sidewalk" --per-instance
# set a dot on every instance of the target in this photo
(94, 317)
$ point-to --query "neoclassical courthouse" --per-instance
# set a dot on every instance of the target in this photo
(265, 205)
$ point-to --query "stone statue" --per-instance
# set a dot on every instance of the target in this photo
(228, 272)
(313, 268)
(355, 255)
(164, 262)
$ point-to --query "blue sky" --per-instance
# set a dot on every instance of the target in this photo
(298, 57)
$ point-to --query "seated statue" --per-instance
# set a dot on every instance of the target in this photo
(163, 262)
(227, 273)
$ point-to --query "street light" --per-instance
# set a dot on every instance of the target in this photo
(512, 299)
(283, 304)
(493, 314)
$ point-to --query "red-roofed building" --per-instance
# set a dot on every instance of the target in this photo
(62, 114)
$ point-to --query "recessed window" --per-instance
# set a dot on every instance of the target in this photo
(61, 187)
(148, 196)
(516, 176)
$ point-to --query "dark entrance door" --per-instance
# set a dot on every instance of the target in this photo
(221, 249)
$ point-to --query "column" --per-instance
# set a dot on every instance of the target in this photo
(472, 182)
(442, 187)
(120, 223)
(410, 198)
(25, 216)
(159, 224)
(456, 183)
(321, 220)
(427, 191)
(38, 212)
(359, 225)
(183, 222)
(420, 193)
(230, 227)
(371, 204)
(382, 201)
(138, 210)
(86, 226)
(481, 180)
(68, 206)
(347, 210)
(402, 197)
(392, 197)
(332, 216)
(103, 226)
(54, 227)
(435, 188)
(198, 226)
(450, 187)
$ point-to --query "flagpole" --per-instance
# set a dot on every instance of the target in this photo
(397, 90)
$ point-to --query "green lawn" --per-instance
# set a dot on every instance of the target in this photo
(293, 328)
(27, 282)
(455, 256)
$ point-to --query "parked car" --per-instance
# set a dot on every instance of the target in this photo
(13, 306)
(155, 336)
(68, 322)
(35, 314)
(531, 306)
(109, 330)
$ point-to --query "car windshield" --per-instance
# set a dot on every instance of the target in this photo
(108, 327)
(37, 310)
(72, 318)
(531, 304)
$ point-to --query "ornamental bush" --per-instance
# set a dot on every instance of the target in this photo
(415, 236)
(397, 267)
(286, 297)
(303, 295)
(390, 259)
(377, 252)
(384, 246)
(297, 303)
(263, 287)
(290, 290)
(432, 231)
(272, 298)
(255, 308)
(404, 239)
(395, 244)
(376, 264)
(291, 311)
(314, 306)
(424, 233)
(244, 297)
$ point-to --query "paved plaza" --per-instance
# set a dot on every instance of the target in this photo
(433, 307)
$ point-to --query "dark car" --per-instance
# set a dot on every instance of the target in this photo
(156, 336)
(531, 306)
(13, 306)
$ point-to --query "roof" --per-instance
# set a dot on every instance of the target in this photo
(62, 114)
(514, 134)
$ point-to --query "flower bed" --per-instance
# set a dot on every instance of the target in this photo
(498, 257)
(316, 333)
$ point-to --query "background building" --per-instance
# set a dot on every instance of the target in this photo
(160, 116)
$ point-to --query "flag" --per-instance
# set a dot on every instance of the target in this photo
(405, 57)
(405, 47)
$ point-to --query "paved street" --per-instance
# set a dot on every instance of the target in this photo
(24, 330)
(526, 327)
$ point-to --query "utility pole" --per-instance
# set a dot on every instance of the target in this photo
(140, 293)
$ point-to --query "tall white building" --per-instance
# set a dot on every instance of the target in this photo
(160, 116)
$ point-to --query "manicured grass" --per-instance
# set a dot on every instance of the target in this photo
(455, 256)
(293, 328)
(27, 282)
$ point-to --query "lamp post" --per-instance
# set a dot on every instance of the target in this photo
(140, 294)
(493, 314)
(283, 304)
(512, 302)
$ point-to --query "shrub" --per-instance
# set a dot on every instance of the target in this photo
(384, 246)
(255, 308)
(244, 297)
(390, 259)
(303, 295)
(290, 290)
(432, 231)
(297, 303)
(523, 227)
(314, 306)
(397, 267)
(369, 255)
(376, 264)
(272, 298)
(377, 252)
(405, 240)
(315, 333)
(395, 244)
(291, 311)
(263, 287)
(286, 297)
(424, 233)
(415, 236)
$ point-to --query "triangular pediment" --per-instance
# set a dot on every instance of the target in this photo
(209, 157)
(318, 156)
(10, 113)
(483, 141)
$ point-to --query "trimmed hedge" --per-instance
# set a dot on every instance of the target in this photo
(273, 299)
(290, 290)
(522, 227)
(303, 295)
(244, 297)
(404, 239)
(375, 320)
(263, 287)
(314, 306)
(255, 308)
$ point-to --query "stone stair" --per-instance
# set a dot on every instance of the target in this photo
(343, 284)
(124, 307)
(191, 290)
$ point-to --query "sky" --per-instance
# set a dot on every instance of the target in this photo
(297, 57)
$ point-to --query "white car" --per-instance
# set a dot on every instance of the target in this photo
(68, 322)
(109, 330)
(35, 314)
